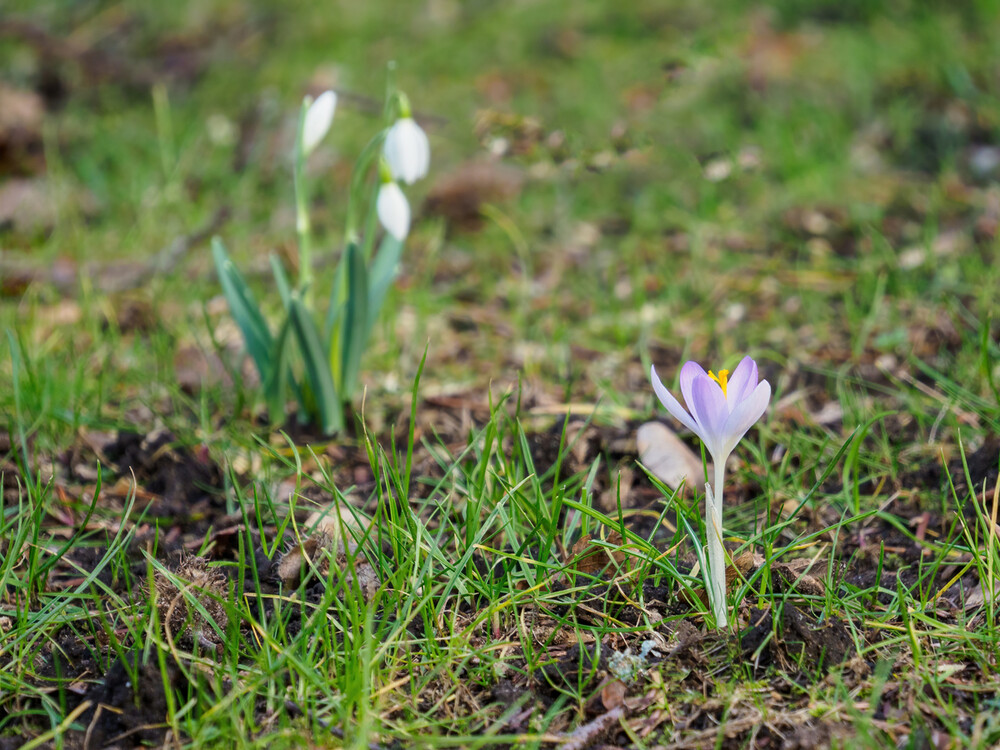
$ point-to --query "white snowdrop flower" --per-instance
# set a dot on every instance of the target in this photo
(319, 116)
(407, 150)
(393, 210)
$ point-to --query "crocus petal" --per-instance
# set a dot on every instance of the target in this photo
(393, 210)
(690, 372)
(673, 406)
(319, 116)
(741, 382)
(746, 413)
(711, 411)
(407, 150)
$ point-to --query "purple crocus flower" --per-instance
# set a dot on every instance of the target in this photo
(720, 410)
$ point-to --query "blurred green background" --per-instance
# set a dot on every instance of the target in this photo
(661, 178)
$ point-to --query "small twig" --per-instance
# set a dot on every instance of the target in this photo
(134, 730)
(587, 734)
(90, 727)
(164, 261)
(115, 277)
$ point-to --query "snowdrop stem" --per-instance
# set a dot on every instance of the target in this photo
(390, 90)
(716, 552)
(359, 188)
(303, 227)
(404, 105)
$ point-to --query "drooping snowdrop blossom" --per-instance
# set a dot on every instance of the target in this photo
(406, 147)
(393, 210)
(720, 410)
(318, 119)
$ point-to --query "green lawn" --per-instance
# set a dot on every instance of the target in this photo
(481, 559)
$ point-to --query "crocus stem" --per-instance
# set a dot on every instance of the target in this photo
(716, 552)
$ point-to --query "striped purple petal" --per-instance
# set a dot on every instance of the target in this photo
(673, 406)
(690, 372)
(746, 413)
(711, 412)
(741, 382)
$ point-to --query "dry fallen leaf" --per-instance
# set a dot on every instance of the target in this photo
(459, 195)
(337, 522)
(795, 577)
(591, 558)
(978, 596)
(320, 552)
(613, 694)
(295, 560)
(196, 368)
(323, 548)
(772, 56)
(331, 533)
(21, 115)
(743, 565)
(668, 457)
(33, 204)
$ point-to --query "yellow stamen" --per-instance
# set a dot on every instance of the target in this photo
(722, 379)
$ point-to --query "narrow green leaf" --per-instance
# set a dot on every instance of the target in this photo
(281, 280)
(333, 330)
(274, 387)
(355, 323)
(336, 303)
(244, 309)
(371, 218)
(317, 371)
(359, 176)
(383, 273)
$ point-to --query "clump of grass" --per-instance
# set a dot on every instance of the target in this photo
(503, 573)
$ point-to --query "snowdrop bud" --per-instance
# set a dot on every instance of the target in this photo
(318, 119)
(393, 210)
(407, 150)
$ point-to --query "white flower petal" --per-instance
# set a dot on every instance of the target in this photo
(407, 151)
(672, 405)
(746, 413)
(319, 116)
(393, 210)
